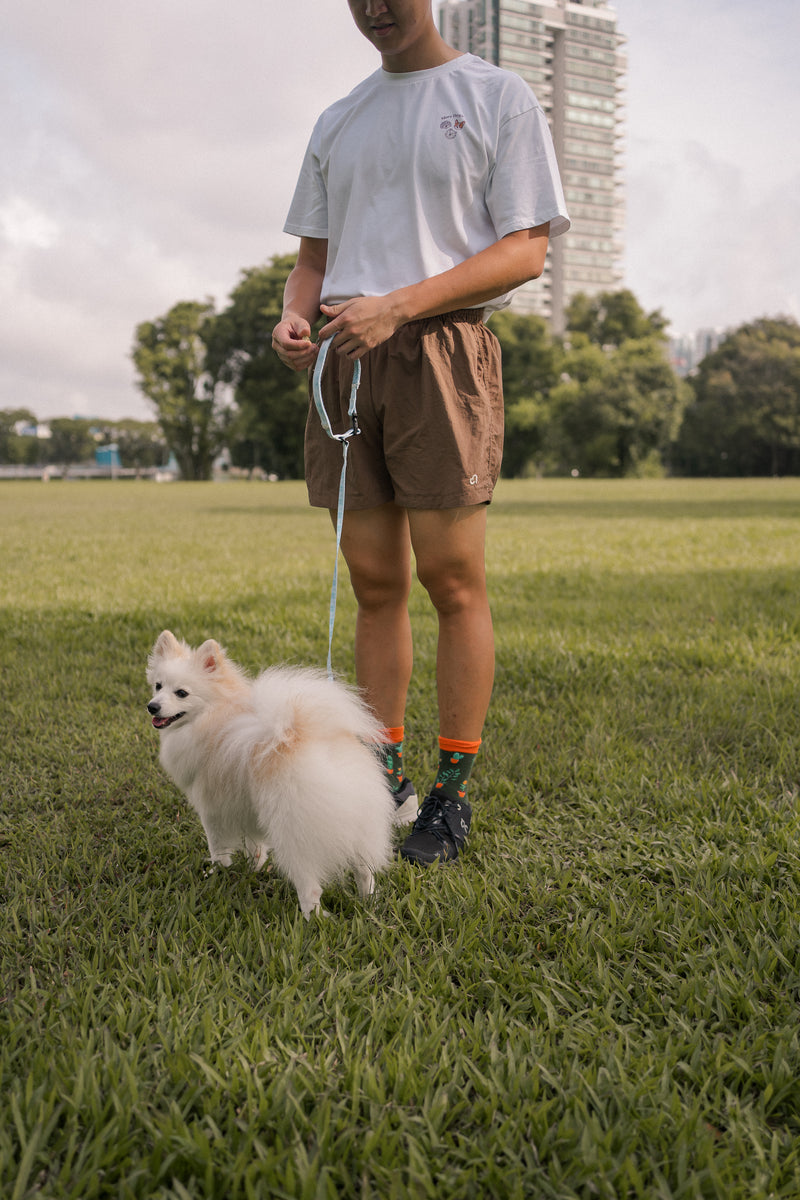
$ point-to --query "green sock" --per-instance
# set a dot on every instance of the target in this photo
(456, 760)
(392, 753)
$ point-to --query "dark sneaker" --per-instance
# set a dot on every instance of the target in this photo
(406, 805)
(439, 832)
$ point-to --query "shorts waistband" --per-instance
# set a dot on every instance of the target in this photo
(472, 316)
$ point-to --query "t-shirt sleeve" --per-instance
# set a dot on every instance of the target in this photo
(524, 187)
(308, 212)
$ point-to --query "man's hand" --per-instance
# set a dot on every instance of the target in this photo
(291, 341)
(361, 324)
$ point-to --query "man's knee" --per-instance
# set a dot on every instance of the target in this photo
(449, 550)
(377, 583)
(376, 548)
(451, 585)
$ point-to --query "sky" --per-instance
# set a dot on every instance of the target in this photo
(150, 150)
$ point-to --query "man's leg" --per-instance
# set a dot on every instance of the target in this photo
(377, 550)
(449, 549)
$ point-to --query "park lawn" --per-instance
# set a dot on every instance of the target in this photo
(599, 999)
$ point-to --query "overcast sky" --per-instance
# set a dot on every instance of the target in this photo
(150, 149)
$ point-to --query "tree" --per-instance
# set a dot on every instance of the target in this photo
(13, 448)
(616, 410)
(611, 318)
(141, 444)
(744, 418)
(170, 356)
(266, 430)
(71, 441)
(531, 364)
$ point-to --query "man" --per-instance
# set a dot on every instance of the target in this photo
(426, 197)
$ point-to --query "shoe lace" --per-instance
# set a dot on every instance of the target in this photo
(431, 818)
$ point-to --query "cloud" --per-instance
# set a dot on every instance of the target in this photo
(727, 249)
(150, 154)
(713, 106)
(23, 224)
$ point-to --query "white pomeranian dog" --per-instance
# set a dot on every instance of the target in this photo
(286, 764)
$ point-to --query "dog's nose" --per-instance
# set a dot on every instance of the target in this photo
(154, 708)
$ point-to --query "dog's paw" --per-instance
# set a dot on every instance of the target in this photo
(310, 896)
(219, 858)
(258, 855)
(316, 912)
(214, 867)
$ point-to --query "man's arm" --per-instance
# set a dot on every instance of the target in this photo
(291, 337)
(365, 321)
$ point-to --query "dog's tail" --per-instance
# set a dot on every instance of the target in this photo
(318, 704)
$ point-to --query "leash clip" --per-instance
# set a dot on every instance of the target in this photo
(353, 432)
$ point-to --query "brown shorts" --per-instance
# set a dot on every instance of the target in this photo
(430, 409)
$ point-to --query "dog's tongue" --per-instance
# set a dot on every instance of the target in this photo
(160, 722)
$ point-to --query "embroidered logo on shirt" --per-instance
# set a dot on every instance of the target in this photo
(451, 124)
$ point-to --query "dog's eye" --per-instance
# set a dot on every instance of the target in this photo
(181, 694)
(158, 687)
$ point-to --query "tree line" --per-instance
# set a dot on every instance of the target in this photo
(140, 444)
(602, 400)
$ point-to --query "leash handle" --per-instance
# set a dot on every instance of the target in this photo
(344, 440)
(319, 367)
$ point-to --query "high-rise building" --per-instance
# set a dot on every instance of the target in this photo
(570, 52)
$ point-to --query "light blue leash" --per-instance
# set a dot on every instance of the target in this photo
(344, 438)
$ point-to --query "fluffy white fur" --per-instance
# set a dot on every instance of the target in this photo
(284, 765)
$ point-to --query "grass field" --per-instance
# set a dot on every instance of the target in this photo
(599, 1000)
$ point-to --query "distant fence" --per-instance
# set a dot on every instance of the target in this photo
(87, 471)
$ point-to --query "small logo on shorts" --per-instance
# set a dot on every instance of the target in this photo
(473, 479)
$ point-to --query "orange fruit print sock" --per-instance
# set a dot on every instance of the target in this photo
(456, 760)
(393, 755)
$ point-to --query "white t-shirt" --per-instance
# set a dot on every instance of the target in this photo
(413, 173)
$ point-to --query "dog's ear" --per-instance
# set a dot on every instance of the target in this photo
(210, 655)
(166, 644)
